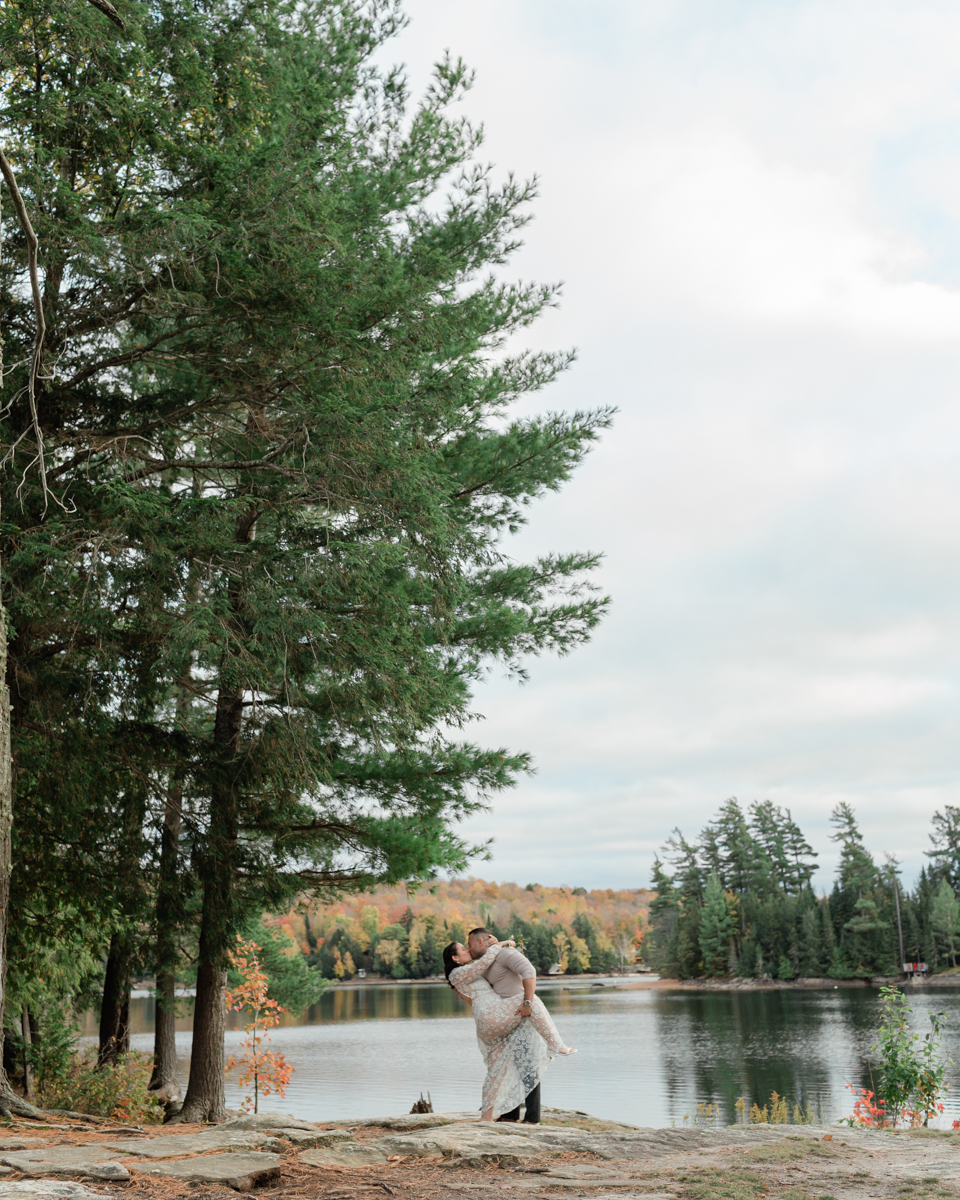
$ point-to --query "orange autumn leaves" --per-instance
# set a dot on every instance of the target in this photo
(267, 1070)
(395, 930)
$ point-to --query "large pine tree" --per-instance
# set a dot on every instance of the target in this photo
(284, 461)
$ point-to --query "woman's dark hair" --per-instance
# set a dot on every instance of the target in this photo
(449, 962)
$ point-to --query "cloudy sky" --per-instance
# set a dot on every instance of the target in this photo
(755, 207)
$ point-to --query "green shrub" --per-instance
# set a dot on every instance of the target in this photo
(119, 1092)
(912, 1068)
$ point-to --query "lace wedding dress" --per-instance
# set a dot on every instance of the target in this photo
(515, 1049)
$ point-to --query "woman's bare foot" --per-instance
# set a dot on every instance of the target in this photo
(568, 1050)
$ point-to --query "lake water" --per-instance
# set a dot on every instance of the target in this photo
(645, 1057)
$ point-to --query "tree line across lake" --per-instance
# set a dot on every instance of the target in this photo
(738, 901)
(401, 934)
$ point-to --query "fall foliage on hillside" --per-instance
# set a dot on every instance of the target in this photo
(400, 933)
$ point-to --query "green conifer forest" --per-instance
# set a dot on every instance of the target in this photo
(739, 902)
(256, 498)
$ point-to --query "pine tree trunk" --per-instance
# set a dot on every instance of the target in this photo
(115, 1010)
(10, 1102)
(27, 1042)
(205, 1099)
(164, 1080)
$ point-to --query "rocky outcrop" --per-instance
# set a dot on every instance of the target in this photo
(242, 1172)
(90, 1162)
(261, 1121)
(195, 1143)
(246, 1153)
(44, 1189)
(345, 1154)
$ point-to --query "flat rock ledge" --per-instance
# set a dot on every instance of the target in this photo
(44, 1189)
(478, 1143)
(242, 1172)
(113, 1160)
(247, 1153)
(90, 1162)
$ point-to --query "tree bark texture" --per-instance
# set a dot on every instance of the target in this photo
(10, 1102)
(205, 1099)
(27, 1044)
(115, 1009)
(164, 1079)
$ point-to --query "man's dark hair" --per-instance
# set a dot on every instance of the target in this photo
(481, 932)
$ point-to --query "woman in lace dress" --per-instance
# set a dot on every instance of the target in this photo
(513, 1064)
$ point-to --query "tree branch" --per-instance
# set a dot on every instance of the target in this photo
(109, 11)
(33, 247)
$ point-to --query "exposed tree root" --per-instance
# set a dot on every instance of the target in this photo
(12, 1105)
(197, 1114)
(76, 1116)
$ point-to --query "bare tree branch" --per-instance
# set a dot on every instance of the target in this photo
(33, 247)
(109, 11)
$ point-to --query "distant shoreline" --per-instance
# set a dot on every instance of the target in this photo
(635, 982)
(608, 981)
(797, 985)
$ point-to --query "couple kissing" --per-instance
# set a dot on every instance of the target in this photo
(516, 1034)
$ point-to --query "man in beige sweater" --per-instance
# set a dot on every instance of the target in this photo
(512, 974)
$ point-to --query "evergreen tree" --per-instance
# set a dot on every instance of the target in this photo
(927, 949)
(867, 936)
(602, 955)
(857, 871)
(828, 938)
(538, 945)
(293, 983)
(777, 926)
(912, 943)
(767, 829)
(660, 943)
(710, 852)
(946, 844)
(945, 918)
(799, 854)
(737, 851)
(685, 861)
(277, 428)
(715, 927)
(812, 964)
(689, 959)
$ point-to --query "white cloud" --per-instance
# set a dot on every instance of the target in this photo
(720, 231)
(757, 213)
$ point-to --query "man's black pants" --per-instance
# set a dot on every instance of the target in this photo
(532, 1115)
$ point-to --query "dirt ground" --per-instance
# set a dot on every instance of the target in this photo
(752, 1163)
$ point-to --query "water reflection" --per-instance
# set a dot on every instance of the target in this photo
(807, 1046)
(647, 1057)
(385, 1004)
(372, 1003)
